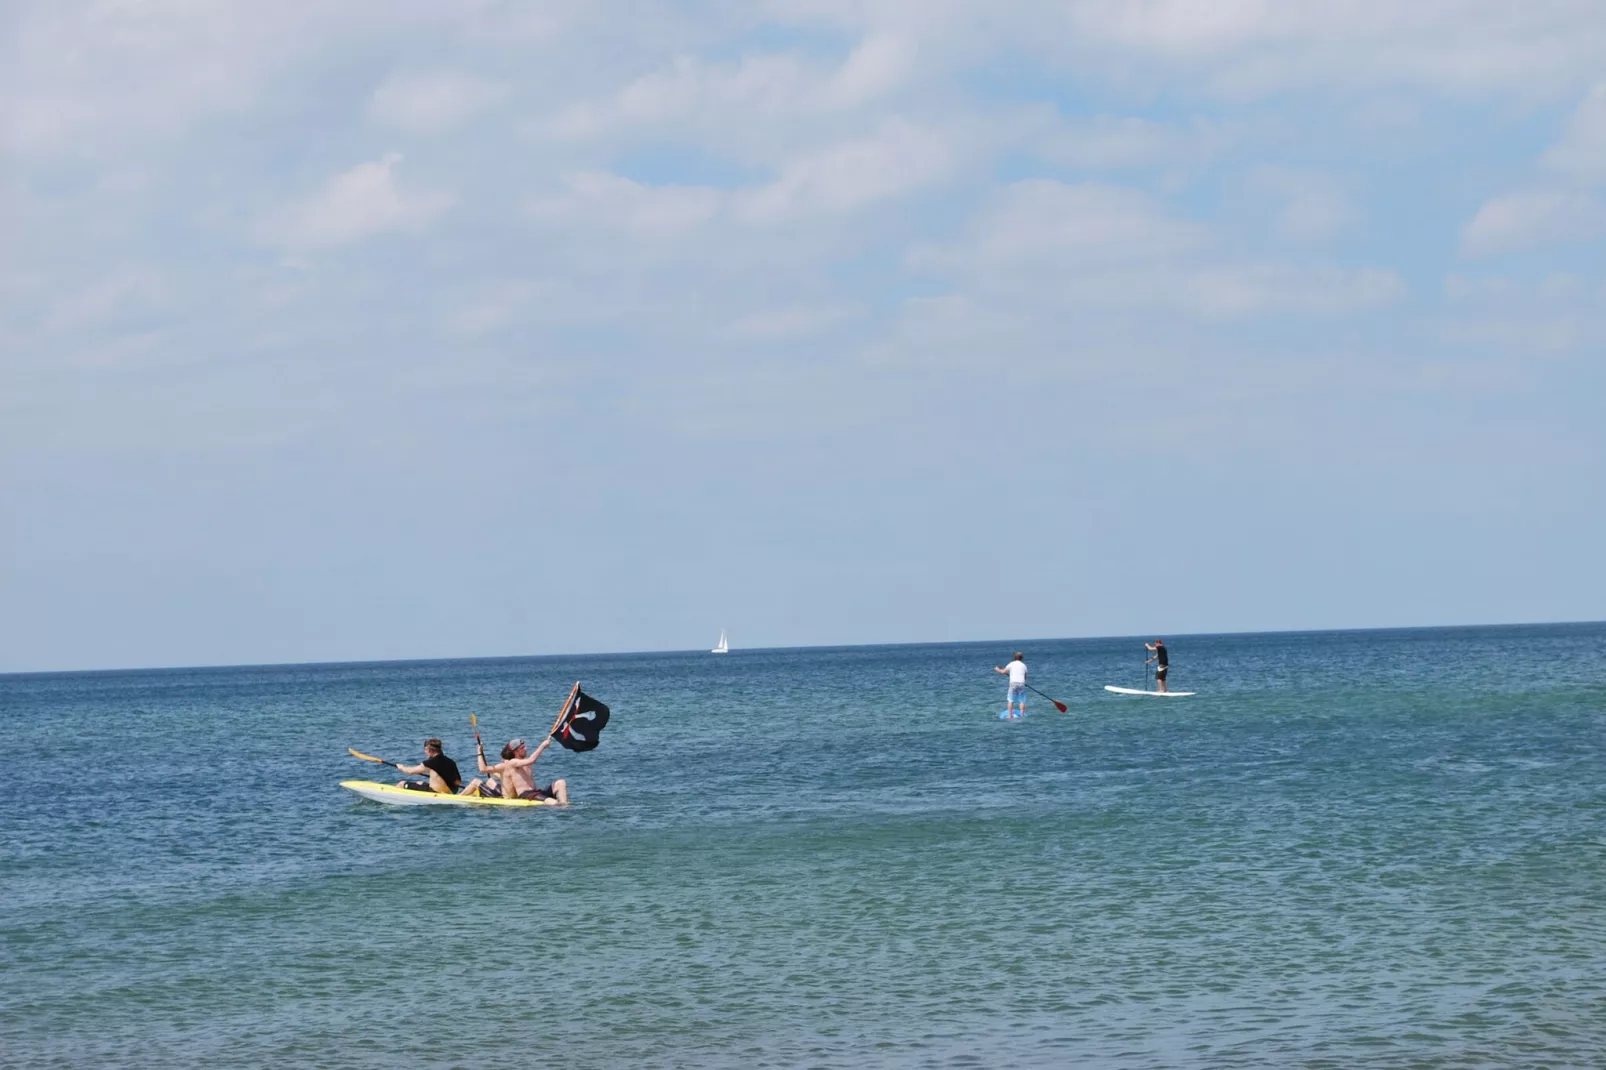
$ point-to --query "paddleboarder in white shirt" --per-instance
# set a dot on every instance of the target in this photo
(1016, 671)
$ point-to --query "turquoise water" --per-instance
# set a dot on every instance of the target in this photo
(1352, 849)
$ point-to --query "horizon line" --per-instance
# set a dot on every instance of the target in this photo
(220, 666)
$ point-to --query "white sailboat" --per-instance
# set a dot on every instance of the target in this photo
(723, 646)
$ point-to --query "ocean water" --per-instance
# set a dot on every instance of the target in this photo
(1352, 849)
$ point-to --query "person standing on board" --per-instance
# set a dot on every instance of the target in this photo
(1016, 671)
(1158, 647)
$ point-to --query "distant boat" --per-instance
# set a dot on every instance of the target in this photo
(723, 646)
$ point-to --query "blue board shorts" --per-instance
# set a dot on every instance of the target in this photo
(1017, 693)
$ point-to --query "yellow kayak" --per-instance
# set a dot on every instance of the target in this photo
(394, 796)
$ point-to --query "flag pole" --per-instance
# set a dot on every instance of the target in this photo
(566, 704)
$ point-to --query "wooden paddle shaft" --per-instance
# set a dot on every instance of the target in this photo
(573, 691)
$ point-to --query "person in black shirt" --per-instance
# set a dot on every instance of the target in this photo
(443, 775)
(1158, 647)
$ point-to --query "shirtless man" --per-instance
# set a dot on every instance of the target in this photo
(517, 780)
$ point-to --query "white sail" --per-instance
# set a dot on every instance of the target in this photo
(723, 646)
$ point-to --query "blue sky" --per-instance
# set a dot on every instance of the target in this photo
(405, 329)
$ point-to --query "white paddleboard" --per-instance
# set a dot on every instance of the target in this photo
(1151, 694)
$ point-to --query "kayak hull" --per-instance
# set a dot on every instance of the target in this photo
(391, 795)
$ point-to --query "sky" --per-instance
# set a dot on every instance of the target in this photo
(402, 329)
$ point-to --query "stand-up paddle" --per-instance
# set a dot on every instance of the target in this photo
(1058, 705)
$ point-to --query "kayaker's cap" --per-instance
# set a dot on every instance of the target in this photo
(515, 744)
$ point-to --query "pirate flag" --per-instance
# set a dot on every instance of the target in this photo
(582, 725)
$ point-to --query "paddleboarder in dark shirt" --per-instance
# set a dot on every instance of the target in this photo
(443, 775)
(1158, 647)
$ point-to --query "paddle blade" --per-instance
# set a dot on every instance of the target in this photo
(366, 757)
(1061, 706)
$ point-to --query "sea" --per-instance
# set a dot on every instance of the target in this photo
(1348, 849)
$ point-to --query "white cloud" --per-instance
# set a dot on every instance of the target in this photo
(827, 182)
(1581, 153)
(1314, 206)
(1563, 209)
(1256, 48)
(900, 157)
(1315, 214)
(610, 202)
(1485, 290)
(1555, 314)
(1182, 29)
(1531, 218)
(76, 71)
(493, 308)
(363, 201)
(1040, 223)
(876, 67)
(429, 103)
(1098, 245)
(125, 294)
(724, 100)
(81, 74)
(790, 322)
(1255, 289)
(1123, 142)
(759, 86)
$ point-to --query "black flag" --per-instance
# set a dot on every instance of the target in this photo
(581, 728)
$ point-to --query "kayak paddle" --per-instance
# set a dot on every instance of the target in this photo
(478, 745)
(370, 758)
